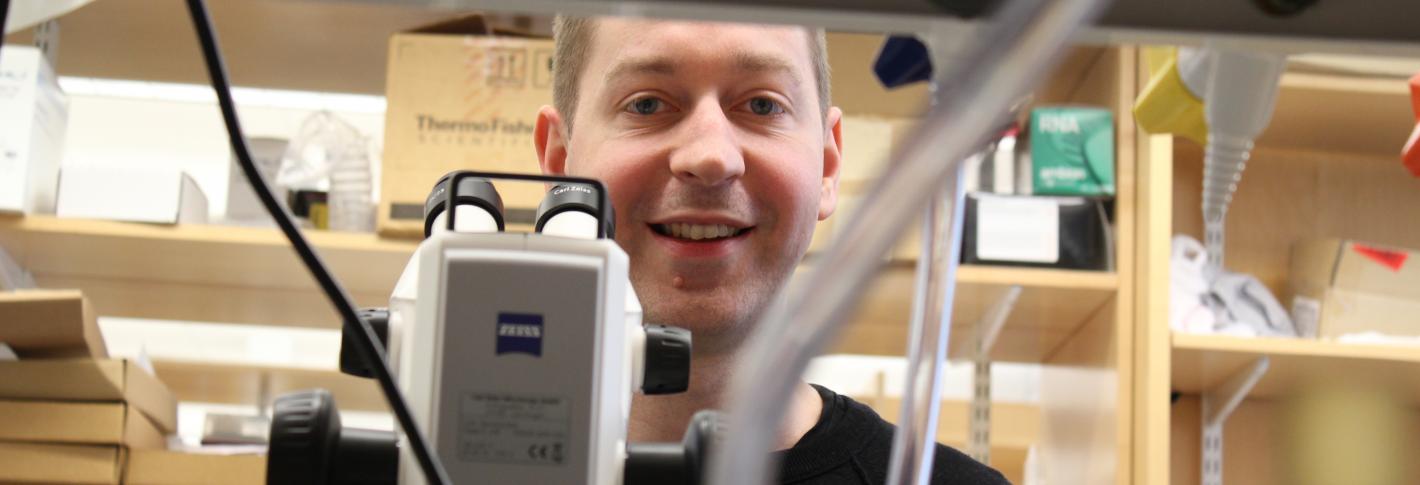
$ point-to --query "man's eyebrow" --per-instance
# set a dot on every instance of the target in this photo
(760, 63)
(663, 66)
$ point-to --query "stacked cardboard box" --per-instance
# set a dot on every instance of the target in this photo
(158, 467)
(68, 413)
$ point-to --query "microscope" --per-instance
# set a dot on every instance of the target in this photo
(518, 354)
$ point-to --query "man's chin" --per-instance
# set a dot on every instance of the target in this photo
(715, 324)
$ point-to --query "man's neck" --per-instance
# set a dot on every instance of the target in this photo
(664, 418)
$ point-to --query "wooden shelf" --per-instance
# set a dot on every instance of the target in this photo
(1341, 113)
(1203, 361)
(247, 275)
(1053, 306)
(201, 273)
(250, 384)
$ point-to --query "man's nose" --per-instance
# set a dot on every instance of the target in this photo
(709, 152)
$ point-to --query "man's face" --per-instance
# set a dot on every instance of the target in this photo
(718, 157)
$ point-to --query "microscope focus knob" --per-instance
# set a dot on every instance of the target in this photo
(351, 361)
(683, 463)
(667, 360)
(304, 431)
(309, 447)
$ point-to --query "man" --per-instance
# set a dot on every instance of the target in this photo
(721, 151)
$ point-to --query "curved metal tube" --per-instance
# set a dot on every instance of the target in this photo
(1021, 46)
(914, 444)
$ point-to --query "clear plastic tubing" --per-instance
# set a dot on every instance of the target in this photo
(1017, 49)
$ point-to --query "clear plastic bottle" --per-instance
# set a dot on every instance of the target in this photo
(351, 207)
(330, 154)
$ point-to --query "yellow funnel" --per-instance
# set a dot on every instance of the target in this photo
(1167, 105)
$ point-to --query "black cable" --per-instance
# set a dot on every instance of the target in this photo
(369, 350)
(4, 12)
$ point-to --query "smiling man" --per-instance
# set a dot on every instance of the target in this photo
(721, 151)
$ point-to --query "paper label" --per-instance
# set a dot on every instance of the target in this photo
(1017, 229)
(512, 428)
(1306, 316)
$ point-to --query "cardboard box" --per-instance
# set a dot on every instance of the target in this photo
(78, 423)
(90, 380)
(163, 195)
(1357, 287)
(153, 467)
(67, 464)
(460, 99)
(242, 203)
(50, 324)
(33, 116)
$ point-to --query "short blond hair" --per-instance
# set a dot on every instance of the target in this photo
(574, 35)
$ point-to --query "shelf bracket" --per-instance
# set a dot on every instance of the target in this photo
(987, 330)
(1218, 404)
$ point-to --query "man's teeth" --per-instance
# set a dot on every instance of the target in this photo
(698, 232)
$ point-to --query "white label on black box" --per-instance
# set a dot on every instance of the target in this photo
(1020, 229)
(510, 428)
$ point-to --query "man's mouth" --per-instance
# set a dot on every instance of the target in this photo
(699, 232)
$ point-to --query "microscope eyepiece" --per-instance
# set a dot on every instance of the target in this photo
(473, 192)
(570, 210)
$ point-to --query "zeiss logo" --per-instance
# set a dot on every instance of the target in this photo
(519, 333)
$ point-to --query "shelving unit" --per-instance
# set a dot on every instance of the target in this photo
(1077, 324)
(1327, 166)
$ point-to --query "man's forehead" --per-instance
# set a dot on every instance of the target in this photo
(660, 45)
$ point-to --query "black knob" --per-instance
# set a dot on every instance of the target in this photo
(304, 432)
(574, 197)
(351, 362)
(966, 8)
(472, 191)
(1285, 8)
(681, 463)
(667, 360)
(309, 447)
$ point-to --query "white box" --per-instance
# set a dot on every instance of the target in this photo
(131, 193)
(33, 116)
(243, 206)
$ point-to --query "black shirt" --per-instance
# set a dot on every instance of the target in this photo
(850, 445)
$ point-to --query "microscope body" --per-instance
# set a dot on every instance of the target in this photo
(518, 359)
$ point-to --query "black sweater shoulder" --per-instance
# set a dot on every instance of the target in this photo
(850, 445)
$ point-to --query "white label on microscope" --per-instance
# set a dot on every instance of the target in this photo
(512, 428)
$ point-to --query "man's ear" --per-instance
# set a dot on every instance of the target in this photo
(550, 136)
(832, 161)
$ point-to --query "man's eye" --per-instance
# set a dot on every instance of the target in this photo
(645, 106)
(765, 107)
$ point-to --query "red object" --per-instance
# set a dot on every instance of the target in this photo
(1390, 259)
(1410, 155)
